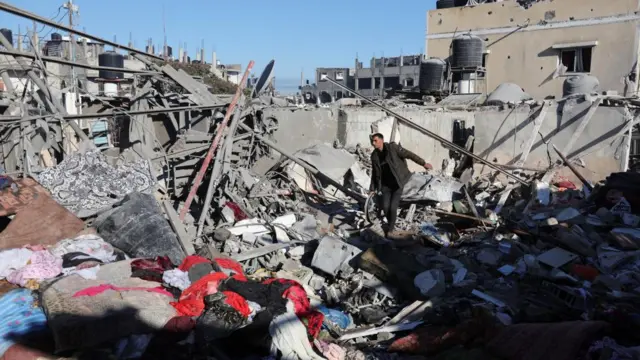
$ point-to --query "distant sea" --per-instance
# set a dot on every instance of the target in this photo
(287, 86)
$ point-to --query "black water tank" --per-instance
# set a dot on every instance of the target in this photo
(8, 34)
(56, 37)
(111, 59)
(444, 4)
(467, 51)
(431, 75)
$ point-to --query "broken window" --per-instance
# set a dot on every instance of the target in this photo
(576, 59)
(391, 81)
(323, 76)
(339, 75)
(364, 83)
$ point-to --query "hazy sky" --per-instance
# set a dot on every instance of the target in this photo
(298, 34)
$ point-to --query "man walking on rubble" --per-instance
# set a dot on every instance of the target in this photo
(389, 174)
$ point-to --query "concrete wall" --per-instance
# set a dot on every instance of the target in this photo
(500, 134)
(520, 40)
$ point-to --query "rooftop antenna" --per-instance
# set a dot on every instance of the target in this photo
(164, 31)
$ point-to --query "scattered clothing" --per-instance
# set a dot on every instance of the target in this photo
(87, 321)
(19, 318)
(176, 278)
(191, 260)
(151, 269)
(42, 265)
(86, 273)
(191, 302)
(300, 300)
(86, 183)
(132, 347)
(230, 267)
(198, 271)
(289, 337)
(97, 290)
(92, 245)
(74, 259)
(12, 260)
(331, 351)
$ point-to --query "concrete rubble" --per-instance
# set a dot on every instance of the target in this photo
(201, 237)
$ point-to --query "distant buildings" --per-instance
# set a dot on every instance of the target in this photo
(384, 73)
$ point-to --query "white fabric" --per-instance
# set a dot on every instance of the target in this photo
(289, 335)
(89, 244)
(87, 273)
(177, 278)
(13, 259)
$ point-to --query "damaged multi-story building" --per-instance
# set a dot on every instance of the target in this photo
(538, 44)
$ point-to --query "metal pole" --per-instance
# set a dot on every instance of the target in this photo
(79, 65)
(28, 15)
(573, 168)
(216, 140)
(430, 134)
(359, 197)
(114, 113)
(42, 86)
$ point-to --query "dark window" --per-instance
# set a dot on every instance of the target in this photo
(364, 83)
(339, 95)
(408, 82)
(577, 59)
(391, 81)
(377, 83)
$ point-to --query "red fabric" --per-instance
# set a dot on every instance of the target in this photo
(191, 260)
(232, 265)
(180, 324)
(566, 184)
(238, 214)
(301, 304)
(237, 302)
(97, 290)
(191, 301)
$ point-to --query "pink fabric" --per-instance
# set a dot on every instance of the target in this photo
(42, 265)
(97, 290)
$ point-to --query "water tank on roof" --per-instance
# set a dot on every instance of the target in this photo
(111, 59)
(431, 75)
(580, 84)
(444, 4)
(8, 34)
(467, 51)
(56, 37)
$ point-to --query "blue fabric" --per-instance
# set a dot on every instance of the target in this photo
(19, 317)
(336, 317)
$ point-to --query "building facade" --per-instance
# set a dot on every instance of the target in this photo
(539, 46)
(387, 73)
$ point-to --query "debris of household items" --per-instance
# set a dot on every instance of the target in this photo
(85, 183)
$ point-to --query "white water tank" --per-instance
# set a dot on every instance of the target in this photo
(467, 85)
(110, 89)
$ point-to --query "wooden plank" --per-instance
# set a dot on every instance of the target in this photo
(178, 227)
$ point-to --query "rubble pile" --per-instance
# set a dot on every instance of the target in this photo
(213, 242)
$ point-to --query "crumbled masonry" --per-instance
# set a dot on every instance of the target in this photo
(111, 246)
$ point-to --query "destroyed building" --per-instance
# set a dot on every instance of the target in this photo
(183, 224)
(550, 39)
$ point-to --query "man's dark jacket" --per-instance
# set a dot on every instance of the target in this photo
(397, 158)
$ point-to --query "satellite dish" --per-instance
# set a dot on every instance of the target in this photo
(263, 80)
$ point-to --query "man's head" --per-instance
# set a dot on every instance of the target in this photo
(377, 140)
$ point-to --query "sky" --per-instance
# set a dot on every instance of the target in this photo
(299, 35)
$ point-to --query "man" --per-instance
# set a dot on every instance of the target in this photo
(389, 174)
